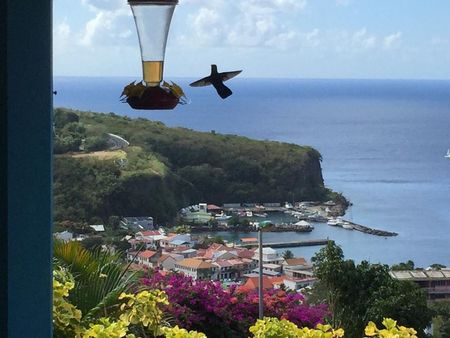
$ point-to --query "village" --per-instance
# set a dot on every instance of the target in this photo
(228, 263)
(185, 249)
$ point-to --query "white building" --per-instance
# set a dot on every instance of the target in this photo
(270, 256)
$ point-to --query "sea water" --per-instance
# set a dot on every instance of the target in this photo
(382, 143)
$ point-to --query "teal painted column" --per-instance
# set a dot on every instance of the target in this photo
(26, 156)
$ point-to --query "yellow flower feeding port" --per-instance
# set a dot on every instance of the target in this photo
(152, 19)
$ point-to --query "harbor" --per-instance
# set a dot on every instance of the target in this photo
(274, 217)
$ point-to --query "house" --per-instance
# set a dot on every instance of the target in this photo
(151, 239)
(98, 227)
(252, 283)
(188, 253)
(223, 270)
(176, 240)
(65, 236)
(294, 284)
(214, 209)
(297, 268)
(230, 263)
(148, 258)
(436, 283)
(195, 268)
(224, 254)
(270, 256)
(242, 266)
(167, 261)
(270, 269)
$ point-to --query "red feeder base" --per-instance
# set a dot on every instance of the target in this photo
(154, 98)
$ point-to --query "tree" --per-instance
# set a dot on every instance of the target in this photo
(288, 254)
(62, 117)
(357, 294)
(96, 143)
(328, 267)
(441, 320)
(409, 265)
(114, 222)
(100, 277)
(437, 266)
(92, 243)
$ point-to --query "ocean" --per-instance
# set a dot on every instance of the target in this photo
(382, 142)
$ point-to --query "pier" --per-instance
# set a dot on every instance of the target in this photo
(311, 242)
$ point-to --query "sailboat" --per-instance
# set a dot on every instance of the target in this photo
(448, 154)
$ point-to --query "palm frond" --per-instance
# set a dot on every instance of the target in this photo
(98, 275)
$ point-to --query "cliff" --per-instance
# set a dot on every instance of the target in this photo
(166, 168)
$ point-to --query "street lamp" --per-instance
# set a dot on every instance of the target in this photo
(152, 19)
(261, 226)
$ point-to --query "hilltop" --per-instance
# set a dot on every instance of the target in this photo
(163, 169)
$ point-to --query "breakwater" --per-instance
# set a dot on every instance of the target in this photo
(371, 231)
(289, 244)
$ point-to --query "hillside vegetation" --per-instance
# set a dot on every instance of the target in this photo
(165, 169)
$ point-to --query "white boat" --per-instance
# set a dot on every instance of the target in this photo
(249, 214)
(332, 221)
(222, 217)
(347, 225)
(448, 154)
(264, 214)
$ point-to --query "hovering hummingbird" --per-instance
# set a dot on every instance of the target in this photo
(217, 79)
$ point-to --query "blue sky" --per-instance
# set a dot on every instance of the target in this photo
(387, 39)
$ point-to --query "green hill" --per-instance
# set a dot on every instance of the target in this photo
(165, 169)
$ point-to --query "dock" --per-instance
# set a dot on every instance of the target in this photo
(311, 242)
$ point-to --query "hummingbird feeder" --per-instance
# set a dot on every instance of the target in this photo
(152, 19)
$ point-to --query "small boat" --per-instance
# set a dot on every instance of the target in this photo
(332, 221)
(222, 217)
(347, 225)
(448, 154)
(264, 214)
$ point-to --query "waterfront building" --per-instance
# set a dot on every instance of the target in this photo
(436, 283)
(214, 209)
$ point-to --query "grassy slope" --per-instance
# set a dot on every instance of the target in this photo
(178, 166)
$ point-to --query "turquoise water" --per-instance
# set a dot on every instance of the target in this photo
(382, 142)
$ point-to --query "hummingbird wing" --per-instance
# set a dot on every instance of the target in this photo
(228, 75)
(206, 81)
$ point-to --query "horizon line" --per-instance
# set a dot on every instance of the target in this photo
(269, 78)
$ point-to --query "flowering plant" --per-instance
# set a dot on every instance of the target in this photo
(391, 330)
(274, 328)
(207, 307)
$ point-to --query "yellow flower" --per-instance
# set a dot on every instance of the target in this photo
(371, 329)
(338, 333)
(389, 323)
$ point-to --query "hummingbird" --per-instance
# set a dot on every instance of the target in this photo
(217, 79)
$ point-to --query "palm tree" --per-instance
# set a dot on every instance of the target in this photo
(288, 254)
(100, 277)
